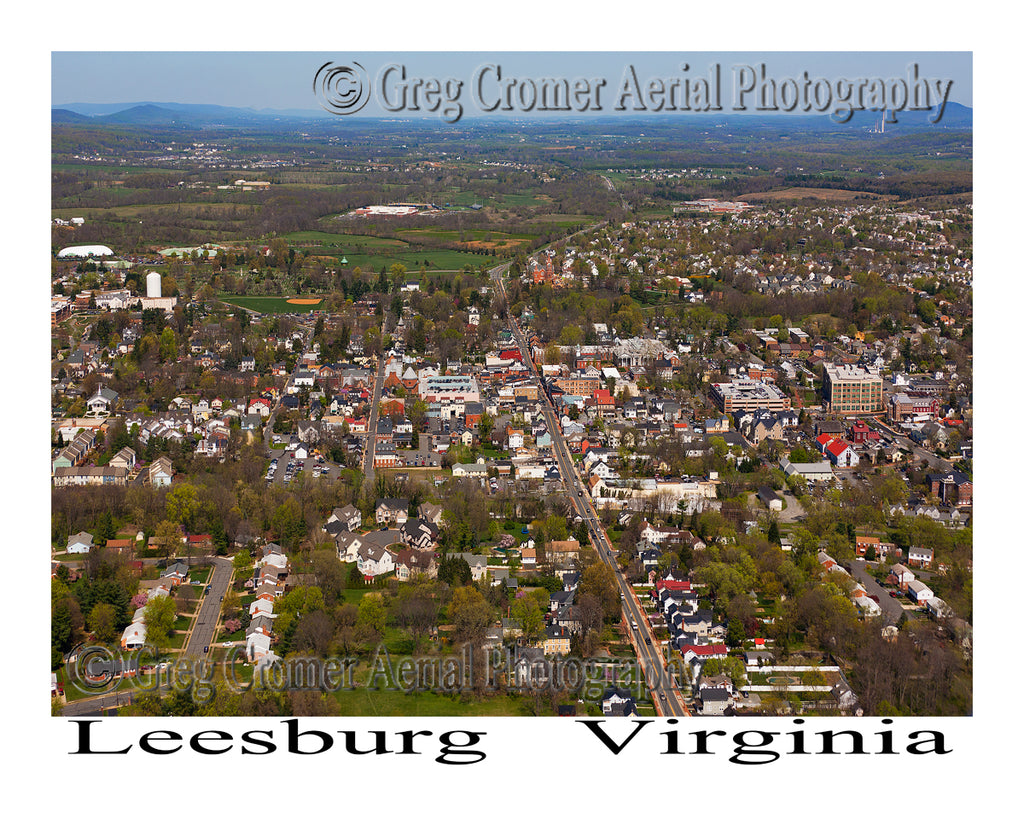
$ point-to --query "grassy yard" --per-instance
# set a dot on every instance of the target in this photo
(72, 693)
(177, 640)
(66, 558)
(365, 702)
(355, 595)
(200, 575)
(234, 635)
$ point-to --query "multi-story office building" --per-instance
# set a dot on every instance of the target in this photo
(852, 390)
(748, 394)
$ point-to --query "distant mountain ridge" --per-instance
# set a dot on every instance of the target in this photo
(955, 115)
(156, 113)
(64, 115)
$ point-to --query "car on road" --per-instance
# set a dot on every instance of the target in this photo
(206, 649)
(222, 598)
(207, 589)
(893, 594)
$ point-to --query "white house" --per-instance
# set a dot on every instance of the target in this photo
(920, 556)
(810, 472)
(477, 564)
(374, 560)
(348, 545)
(902, 574)
(841, 454)
(348, 516)
(867, 606)
(919, 592)
(102, 401)
(257, 646)
(469, 471)
(304, 378)
(161, 471)
(392, 510)
(134, 636)
(261, 606)
(79, 544)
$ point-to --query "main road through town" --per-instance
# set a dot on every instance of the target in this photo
(665, 695)
(370, 442)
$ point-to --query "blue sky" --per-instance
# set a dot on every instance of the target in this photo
(284, 80)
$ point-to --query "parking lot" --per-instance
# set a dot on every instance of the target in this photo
(423, 456)
(284, 468)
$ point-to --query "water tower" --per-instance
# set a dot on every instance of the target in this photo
(153, 285)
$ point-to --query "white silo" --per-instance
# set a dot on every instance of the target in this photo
(153, 285)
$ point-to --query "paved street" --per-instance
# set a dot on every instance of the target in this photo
(370, 445)
(209, 612)
(933, 461)
(892, 607)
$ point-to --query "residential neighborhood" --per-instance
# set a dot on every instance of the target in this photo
(718, 451)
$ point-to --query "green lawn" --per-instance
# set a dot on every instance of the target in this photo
(320, 238)
(414, 259)
(137, 211)
(177, 640)
(270, 304)
(72, 693)
(365, 702)
(199, 575)
(66, 558)
(355, 595)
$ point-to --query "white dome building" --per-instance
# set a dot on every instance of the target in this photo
(84, 252)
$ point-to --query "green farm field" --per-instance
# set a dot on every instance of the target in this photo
(371, 253)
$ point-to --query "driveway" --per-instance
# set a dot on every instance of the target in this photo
(792, 510)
